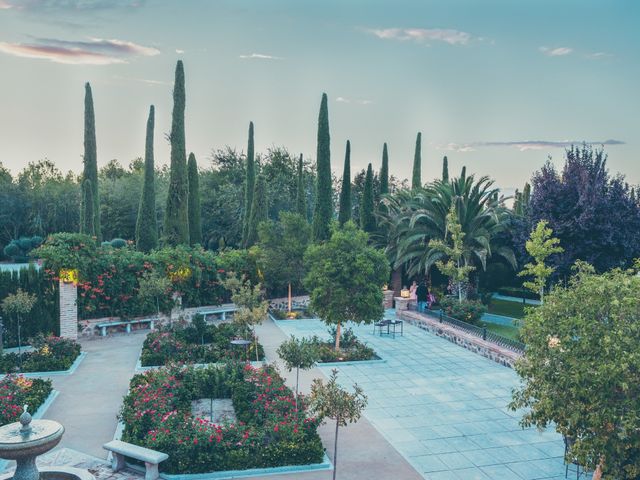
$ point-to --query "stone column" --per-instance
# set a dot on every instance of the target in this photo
(402, 303)
(68, 310)
(388, 298)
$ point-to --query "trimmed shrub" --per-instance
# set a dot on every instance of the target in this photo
(50, 354)
(519, 293)
(118, 243)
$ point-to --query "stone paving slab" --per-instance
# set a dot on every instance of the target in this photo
(444, 408)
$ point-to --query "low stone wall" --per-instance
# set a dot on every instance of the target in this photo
(89, 327)
(498, 354)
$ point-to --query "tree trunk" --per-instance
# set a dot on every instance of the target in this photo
(541, 295)
(335, 451)
(297, 378)
(396, 281)
(338, 330)
(255, 339)
(289, 297)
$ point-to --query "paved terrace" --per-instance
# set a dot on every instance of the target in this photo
(444, 408)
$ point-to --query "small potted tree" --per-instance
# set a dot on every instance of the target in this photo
(19, 304)
(329, 400)
(299, 354)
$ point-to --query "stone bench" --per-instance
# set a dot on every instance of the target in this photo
(222, 311)
(151, 458)
(104, 325)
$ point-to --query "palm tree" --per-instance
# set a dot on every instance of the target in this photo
(413, 218)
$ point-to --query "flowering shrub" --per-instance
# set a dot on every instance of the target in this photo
(270, 431)
(50, 354)
(184, 343)
(110, 277)
(469, 311)
(17, 391)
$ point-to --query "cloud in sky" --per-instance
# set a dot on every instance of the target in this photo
(357, 101)
(5, 5)
(556, 52)
(95, 51)
(423, 35)
(260, 56)
(142, 80)
(50, 6)
(523, 146)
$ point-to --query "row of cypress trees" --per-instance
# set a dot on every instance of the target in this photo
(182, 222)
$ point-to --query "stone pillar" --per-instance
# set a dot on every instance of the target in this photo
(402, 303)
(68, 310)
(387, 302)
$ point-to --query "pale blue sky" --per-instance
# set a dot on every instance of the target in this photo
(479, 79)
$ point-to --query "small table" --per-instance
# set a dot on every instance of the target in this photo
(391, 327)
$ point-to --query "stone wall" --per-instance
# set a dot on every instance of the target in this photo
(68, 310)
(487, 349)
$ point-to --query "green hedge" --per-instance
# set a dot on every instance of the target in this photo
(45, 314)
(270, 431)
(50, 354)
(185, 343)
(17, 391)
(518, 292)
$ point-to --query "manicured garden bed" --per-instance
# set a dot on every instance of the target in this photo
(49, 354)
(17, 391)
(279, 314)
(196, 343)
(270, 431)
(351, 349)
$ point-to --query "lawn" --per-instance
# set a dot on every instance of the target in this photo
(507, 308)
(509, 331)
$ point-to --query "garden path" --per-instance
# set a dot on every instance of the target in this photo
(363, 453)
(444, 408)
(90, 399)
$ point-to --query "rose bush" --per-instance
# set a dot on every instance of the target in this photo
(182, 342)
(270, 430)
(17, 391)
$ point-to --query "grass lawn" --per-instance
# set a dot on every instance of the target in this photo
(508, 331)
(507, 308)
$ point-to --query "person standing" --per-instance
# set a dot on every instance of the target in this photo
(422, 294)
(412, 291)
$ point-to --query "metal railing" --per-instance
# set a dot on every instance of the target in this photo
(475, 330)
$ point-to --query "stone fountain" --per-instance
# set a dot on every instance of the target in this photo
(25, 440)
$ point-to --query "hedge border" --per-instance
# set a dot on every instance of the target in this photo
(56, 373)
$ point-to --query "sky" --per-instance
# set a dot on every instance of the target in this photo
(498, 86)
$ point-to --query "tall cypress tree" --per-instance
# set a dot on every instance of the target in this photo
(323, 209)
(463, 172)
(249, 185)
(90, 161)
(87, 218)
(445, 170)
(344, 214)
(259, 210)
(367, 218)
(301, 195)
(176, 218)
(195, 224)
(526, 197)
(416, 179)
(384, 171)
(147, 224)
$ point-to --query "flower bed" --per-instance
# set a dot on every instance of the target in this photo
(17, 391)
(49, 354)
(188, 343)
(270, 431)
(351, 349)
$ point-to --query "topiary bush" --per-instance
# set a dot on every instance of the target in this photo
(19, 249)
(118, 243)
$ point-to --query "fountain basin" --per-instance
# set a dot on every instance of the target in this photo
(44, 435)
(58, 473)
